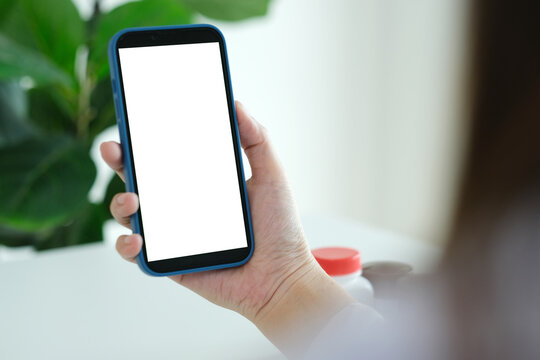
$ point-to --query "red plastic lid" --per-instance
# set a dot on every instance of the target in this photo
(338, 260)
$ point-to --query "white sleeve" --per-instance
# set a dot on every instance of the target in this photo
(346, 335)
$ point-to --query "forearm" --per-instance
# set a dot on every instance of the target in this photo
(300, 308)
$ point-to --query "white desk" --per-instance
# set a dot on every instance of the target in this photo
(86, 303)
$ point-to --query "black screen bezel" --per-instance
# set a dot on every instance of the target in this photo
(178, 36)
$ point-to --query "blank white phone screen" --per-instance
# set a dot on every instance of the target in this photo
(183, 150)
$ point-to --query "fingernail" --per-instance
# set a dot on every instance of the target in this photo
(127, 240)
(121, 199)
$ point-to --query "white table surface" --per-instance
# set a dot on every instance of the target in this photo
(86, 303)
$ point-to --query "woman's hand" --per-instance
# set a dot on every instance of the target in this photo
(281, 289)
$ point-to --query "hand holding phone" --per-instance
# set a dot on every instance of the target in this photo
(281, 289)
(265, 290)
(281, 248)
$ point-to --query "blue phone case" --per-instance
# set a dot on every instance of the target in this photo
(121, 120)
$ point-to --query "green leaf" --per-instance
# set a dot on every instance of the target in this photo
(101, 103)
(133, 14)
(46, 113)
(17, 62)
(13, 100)
(230, 10)
(52, 27)
(13, 125)
(43, 182)
(5, 8)
(16, 27)
(16, 238)
(86, 226)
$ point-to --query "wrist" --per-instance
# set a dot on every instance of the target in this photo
(300, 307)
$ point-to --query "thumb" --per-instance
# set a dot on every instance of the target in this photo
(256, 144)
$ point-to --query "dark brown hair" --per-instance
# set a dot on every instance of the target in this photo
(504, 145)
(493, 256)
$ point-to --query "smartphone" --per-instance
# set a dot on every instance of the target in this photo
(181, 151)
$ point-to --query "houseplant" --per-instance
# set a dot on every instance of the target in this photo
(55, 98)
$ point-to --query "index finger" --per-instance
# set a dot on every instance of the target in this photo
(111, 152)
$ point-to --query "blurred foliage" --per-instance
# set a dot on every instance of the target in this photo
(55, 98)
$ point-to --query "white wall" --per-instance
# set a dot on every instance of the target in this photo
(362, 99)
(423, 72)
